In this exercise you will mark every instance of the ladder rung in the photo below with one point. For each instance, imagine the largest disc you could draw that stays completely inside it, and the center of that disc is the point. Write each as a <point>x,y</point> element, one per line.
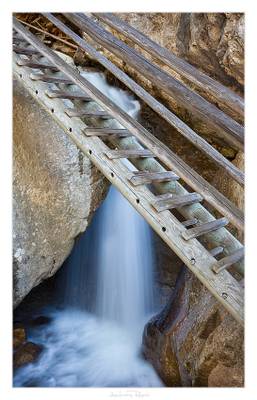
<point>145,177</point>
<point>216,251</point>
<point>58,94</point>
<point>106,132</point>
<point>49,78</point>
<point>190,222</point>
<point>35,64</point>
<point>76,112</point>
<point>19,40</point>
<point>228,261</point>
<point>25,51</point>
<point>169,201</point>
<point>112,154</point>
<point>204,228</point>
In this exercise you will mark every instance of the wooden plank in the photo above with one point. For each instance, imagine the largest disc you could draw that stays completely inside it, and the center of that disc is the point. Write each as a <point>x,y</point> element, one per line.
<point>204,228</point>
<point>106,132</point>
<point>145,177</point>
<point>25,51</point>
<point>60,94</point>
<point>113,154</point>
<point>159,108</point>
<point>189,222</point>
<point>51,79</point>
<point>18,40</point>
<point>76,112</point>
<point>220,93</point>
<point>34,64</point>
<point>226,262</point>
<point>185,97</point>
<point>192,253</point>
<point>216,251</point>
<point>168,203</point>
<point>170,159</point>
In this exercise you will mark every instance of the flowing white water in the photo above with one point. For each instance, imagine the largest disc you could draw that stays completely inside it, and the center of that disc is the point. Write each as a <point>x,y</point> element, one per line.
<point>108,291</point>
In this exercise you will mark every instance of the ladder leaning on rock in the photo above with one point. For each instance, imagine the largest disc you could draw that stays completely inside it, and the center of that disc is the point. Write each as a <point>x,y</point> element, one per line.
<point>197,237</point>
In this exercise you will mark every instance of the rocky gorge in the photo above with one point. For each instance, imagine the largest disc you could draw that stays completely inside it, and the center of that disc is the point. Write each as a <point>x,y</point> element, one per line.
<point>192,341</point>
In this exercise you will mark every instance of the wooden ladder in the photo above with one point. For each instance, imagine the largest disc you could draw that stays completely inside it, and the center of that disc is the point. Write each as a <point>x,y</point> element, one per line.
<point>73,101</point>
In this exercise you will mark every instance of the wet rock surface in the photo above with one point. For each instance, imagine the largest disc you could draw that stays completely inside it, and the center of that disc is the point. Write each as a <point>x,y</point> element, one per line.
<point>56,190</point>
<point>194,339</point>
<point>26,353</point>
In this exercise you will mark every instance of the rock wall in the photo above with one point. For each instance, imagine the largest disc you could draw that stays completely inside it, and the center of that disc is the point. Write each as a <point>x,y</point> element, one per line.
<point>55,191</point>
<point>194,341</point>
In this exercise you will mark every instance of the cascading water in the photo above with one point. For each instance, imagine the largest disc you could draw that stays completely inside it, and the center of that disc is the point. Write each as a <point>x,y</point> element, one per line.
<point>107,291</point>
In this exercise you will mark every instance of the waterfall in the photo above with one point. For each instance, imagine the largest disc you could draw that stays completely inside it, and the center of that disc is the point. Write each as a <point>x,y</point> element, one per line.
<point>108,294</point>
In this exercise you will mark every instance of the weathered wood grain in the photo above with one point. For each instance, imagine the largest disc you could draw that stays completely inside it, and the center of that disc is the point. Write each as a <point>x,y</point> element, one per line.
<point>189,222</point>
<point>232,131</point>
<point>220,93</point>
<point>113,154</point>
<point>204,228</point>
<point>145,177</point>
<point>159,108</point>
<point>227,261</point>
<point>76,112</point>
<point>51,78</point>
<point>173,162</point>
<point>59,94</point>
<point>35,64</point>
<point>107,132</point>
<point>216,251</point>
<point>168,203</point>
<point>25,51</point>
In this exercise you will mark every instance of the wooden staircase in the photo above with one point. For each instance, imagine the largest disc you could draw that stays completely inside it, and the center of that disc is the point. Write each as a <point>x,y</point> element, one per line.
<point>155,188</point>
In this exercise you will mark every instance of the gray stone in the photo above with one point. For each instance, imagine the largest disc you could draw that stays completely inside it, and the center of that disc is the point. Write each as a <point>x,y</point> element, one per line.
<point>56,190</point>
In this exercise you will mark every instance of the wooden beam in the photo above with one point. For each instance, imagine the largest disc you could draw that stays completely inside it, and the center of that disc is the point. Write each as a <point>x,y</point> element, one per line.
<point>226,262</point>
<point>34,64</point>
<point>114,154</point>
<point>232,131</point>
<point>145,177</point>
<point>219,92</point>
<point>216,251</point>
<point>170,159</point>
<point>168,202</point>
<point>59,94</point>
<point>204,228</point>
<point>159,108</point>
<point>76,112</point>
<point>51,79</point>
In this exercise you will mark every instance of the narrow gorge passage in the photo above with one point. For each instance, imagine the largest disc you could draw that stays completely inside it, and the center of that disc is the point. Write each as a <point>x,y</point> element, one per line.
<point>105,295</point>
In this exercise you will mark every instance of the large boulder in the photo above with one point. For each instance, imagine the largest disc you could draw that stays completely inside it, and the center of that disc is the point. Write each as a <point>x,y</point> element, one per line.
<point>56,190</point>
<point>194,341</point>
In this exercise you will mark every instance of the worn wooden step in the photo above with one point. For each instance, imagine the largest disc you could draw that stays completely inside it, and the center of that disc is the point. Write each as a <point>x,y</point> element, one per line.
<point>113,154</point>
<point>226,262</point>
<point>19,40</point>
<point>169,201</point>
<point>204,228</point>
<point>106,132</point>
<point>51,79</point>
<point>190,222</point>
<point>145,177</point>
<point>76,112</point>
<point>216,251</point>
<point>36,64</point>
<point>59,94</point>
<point>26,51</point>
